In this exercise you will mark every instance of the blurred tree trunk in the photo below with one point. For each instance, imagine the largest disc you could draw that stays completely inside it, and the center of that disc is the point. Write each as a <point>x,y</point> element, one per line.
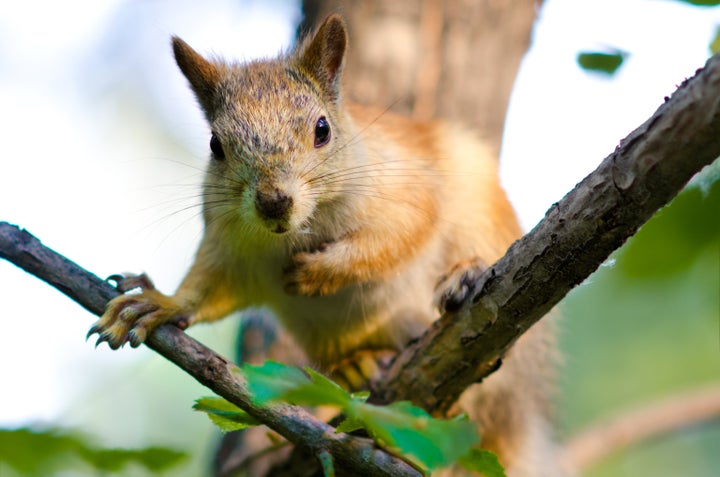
<point>454,59</point>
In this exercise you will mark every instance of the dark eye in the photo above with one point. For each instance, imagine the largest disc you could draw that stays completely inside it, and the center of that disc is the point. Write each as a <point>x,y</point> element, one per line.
<point>322,132</point>
<point>216,147</point>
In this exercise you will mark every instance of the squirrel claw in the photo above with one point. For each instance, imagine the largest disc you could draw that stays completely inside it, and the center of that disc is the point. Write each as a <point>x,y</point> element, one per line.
<point>454,289</point>
<point>136,337</point>
<point>102,338</point>
<point>93,329</point>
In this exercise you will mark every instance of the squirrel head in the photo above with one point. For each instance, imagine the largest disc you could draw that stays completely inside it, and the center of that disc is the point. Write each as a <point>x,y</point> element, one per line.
<point>277,129</point>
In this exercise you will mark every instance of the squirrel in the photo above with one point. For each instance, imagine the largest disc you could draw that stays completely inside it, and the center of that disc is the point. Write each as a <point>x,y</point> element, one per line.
<point>340,219</point>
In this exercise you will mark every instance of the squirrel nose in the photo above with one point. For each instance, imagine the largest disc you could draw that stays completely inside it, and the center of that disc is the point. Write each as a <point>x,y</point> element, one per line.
<point>275,205</point>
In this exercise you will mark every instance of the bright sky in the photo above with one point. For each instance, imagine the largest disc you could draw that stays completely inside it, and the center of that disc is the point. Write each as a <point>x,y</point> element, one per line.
<point>99,193</point>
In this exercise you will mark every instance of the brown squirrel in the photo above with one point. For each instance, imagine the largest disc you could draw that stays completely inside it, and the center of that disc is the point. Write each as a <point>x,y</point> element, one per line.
<point>340,219</point>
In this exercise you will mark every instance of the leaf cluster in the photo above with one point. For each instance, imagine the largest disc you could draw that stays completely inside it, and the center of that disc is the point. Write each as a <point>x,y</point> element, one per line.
<point>402,428</point>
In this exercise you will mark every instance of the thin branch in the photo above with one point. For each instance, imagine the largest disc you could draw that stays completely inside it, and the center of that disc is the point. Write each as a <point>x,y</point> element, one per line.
<point>597,441</point>
<point>645,172</point>
<point>352,455</point>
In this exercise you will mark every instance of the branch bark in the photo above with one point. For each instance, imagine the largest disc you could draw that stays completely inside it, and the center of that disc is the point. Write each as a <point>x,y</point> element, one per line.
<point>647,169</point>
<point>645,172</point>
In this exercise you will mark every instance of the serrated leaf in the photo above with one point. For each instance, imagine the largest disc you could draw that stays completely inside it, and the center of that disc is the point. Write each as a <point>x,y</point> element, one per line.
<point>270,380</point>
<point>225,415</point>
<point>607,63</point>
<point>320,391</point>
<point>483,461</point>
<point>432,443</point>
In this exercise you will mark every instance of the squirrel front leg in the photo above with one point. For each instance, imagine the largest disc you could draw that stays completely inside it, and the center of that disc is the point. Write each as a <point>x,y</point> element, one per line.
<point>204,295</point>
<point>368,253</point>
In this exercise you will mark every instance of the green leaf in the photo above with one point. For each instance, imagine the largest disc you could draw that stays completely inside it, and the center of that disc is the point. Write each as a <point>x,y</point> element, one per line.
<point>318,392</point>
<point>114,460</point>
<point>41,452</point>
<point>483,461</point>
<point>432,443</point>
<point>607,63</point>
<point>270,380</point>
<point>226,415</point>
<point>702,3</point>
<point>715,43</point>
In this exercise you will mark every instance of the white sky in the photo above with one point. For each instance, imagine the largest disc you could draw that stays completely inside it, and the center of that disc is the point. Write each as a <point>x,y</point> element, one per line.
<point>98,193</point>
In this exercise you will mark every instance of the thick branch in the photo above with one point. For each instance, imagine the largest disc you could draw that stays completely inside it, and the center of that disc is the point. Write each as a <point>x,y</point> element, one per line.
<point>645,172</point>
<point>351,455</point>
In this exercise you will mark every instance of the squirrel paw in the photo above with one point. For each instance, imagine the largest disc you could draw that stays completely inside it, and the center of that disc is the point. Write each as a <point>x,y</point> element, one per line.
<point>312,273</point>
<point>131,318</point>
<point>455,288</point>
<point>358,371</point>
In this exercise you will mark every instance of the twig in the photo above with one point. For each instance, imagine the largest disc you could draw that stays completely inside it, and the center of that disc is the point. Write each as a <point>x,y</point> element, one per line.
<point>351,455</point>
<point>597,441</point>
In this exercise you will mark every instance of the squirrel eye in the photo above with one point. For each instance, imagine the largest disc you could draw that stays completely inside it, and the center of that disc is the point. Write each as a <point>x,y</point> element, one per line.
<point>216,147</point>
<point>322,132</point>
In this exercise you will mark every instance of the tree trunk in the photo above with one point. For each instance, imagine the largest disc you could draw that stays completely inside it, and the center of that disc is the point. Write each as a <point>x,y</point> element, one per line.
<point>454,59</point>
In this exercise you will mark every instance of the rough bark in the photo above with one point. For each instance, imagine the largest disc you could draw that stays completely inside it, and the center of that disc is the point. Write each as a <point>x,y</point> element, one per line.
<point>454,59</point>
<point>645,172</point>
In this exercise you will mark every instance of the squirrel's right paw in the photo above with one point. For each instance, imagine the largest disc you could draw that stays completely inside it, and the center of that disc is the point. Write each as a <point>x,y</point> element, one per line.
<point>131,318</point>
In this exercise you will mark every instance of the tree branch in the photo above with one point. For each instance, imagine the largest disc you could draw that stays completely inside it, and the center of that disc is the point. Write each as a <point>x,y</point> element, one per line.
<point>351,455</point>
<point>599,440</point>
<point>645,172</point>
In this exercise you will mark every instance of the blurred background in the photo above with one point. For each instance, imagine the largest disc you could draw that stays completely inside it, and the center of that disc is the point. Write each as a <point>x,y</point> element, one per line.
<point>103,149</point>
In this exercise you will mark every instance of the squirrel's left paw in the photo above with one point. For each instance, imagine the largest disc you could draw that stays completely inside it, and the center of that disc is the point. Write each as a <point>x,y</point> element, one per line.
<point>457,286</point>
<point>312,273</point>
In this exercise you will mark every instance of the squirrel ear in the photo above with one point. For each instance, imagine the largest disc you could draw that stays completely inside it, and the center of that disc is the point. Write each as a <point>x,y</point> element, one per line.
<point>202,75</point>
<point>323,57</point>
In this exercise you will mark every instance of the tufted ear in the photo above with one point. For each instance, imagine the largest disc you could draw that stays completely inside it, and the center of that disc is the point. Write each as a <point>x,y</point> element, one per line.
<point>323,57</point>
<point>202,74</point>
